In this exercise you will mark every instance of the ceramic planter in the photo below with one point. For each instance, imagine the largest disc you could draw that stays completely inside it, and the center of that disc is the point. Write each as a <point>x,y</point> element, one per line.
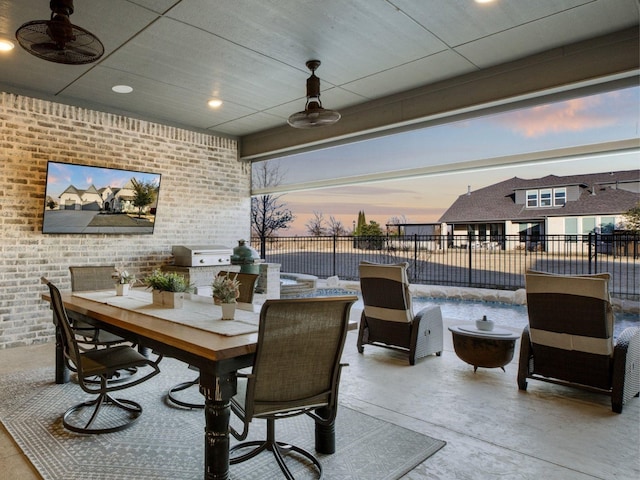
<point>228,311</point>
<point>122,289</point>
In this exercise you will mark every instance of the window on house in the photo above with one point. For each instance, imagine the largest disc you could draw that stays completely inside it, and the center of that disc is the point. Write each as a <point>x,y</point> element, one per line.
<point>545,198</point>
<point>532,198</point>
<point>571,229</point>
<point>607,224</point>
<point>588,225</point>
<point>559,197</point>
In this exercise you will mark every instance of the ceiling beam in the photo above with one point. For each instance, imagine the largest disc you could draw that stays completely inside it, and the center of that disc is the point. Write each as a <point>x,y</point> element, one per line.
<point>587,61</point>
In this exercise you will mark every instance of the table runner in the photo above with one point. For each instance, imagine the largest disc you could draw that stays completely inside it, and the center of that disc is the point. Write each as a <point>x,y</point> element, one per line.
<point>197,311</point>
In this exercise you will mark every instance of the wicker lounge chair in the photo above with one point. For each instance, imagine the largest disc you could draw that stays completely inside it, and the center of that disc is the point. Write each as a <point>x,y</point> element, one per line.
<point>387,319</point>
<point>569,339</point>
<point>296,371</point>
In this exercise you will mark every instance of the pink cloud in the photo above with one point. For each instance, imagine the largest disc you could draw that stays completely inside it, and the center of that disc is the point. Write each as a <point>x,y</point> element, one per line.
<point>571,116</point>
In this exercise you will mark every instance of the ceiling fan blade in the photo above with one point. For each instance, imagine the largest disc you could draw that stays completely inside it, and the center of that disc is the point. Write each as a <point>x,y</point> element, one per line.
<point>45,47</point>
<point>79,50</point>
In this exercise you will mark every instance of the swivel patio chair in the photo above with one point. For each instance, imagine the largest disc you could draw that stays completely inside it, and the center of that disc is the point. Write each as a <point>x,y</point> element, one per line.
<point>296,371</point>
<point>388,320</point>
<point>104,363</point>
<point>569,339</point>
<point>87,278</point>
<point>247,290</point>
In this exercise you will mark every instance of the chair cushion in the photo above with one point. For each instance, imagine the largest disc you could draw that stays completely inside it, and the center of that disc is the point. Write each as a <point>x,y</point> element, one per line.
<point>570,312</point>
<point>385,291</point>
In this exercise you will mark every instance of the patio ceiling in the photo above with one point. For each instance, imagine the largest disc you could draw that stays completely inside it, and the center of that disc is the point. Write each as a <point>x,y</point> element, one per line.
<point>384,63</point>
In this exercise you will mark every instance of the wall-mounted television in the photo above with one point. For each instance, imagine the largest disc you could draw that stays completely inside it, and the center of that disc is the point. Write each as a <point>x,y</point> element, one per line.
<point>96,200</point>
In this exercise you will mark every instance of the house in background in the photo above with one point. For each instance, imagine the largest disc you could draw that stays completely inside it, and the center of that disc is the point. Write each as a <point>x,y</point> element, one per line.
<point>104,199</point>
<point>551,205</point>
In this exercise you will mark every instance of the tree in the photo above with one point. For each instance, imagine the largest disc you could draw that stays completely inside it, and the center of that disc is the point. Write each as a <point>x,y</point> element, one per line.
<point>632,218</point>
<point>398,220</point>
<point>144,194</point>
<point>362,221</point>
<point>372,230</point>
<point>268,213</point>
<point>316,225</point>
<point>336,227</point>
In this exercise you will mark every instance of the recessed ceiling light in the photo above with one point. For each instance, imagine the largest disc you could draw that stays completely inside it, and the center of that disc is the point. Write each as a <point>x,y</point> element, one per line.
<point>215,103</point>
<point>6,45</point>
<point>484,1</point>
<point>122,89</point>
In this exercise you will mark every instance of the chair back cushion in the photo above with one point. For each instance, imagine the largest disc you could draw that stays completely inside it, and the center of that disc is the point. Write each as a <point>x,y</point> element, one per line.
<point>385,291</point>
<point>571,326</point>
<point>300,342</point>
<point>92,277</point>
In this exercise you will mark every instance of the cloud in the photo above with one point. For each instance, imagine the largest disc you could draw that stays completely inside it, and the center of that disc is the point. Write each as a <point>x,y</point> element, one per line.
<point>575,115</point>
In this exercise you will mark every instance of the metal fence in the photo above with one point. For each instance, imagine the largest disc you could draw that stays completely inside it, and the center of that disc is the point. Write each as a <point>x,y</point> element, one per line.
<point>465,260</point>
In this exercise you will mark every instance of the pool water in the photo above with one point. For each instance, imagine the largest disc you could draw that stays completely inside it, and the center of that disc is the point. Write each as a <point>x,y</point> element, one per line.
<point>502,314</point>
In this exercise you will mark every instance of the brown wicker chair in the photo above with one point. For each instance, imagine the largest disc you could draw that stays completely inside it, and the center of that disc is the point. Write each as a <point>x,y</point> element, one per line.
<point>387,319</point>
<point>296,371</point>
<point>247,290</point>
<point>103,363</point>
<point>569,339</point>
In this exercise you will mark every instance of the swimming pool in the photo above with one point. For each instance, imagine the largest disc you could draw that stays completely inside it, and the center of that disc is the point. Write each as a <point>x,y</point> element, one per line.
<point>468,310</point>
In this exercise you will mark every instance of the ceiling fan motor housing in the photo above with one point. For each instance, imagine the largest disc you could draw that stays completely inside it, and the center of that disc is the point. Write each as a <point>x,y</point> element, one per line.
<point>61,7</point>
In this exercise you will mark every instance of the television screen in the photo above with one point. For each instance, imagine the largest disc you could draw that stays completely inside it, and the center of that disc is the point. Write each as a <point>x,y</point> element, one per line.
<point>84,199</point>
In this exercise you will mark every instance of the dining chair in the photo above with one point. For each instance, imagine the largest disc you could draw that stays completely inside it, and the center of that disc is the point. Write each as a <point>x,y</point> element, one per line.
<point>86,278</point>
<point>569,338</point>
<point>103,363</point>
<point>387,318</point>
<point>247,290</point>
<point>296,371</point>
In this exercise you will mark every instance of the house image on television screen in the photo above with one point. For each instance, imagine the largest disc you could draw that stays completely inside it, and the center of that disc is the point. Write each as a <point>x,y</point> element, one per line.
<point>83,199</point>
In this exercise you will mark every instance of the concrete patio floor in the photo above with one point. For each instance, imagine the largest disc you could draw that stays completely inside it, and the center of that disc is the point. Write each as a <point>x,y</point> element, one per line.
<point>492,430</point>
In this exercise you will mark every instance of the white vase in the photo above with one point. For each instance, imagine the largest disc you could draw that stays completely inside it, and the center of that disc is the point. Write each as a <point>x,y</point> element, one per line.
<point>122,289</point>
<point>228,311</point>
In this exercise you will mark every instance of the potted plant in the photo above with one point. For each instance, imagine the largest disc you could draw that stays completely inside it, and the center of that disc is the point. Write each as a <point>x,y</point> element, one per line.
<point>168,288</point>
<point>124,280</point>
<point>225,290</point>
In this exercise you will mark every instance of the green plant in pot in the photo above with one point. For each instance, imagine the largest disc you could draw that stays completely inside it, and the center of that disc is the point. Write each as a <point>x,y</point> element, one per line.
<point>168,288</point>
<point>225,290</point>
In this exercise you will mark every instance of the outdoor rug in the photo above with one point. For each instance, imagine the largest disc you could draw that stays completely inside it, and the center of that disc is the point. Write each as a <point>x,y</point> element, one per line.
<point>167,443</point>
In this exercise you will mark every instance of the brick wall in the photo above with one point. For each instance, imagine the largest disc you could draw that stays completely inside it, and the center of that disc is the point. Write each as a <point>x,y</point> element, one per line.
<point>204,199</point>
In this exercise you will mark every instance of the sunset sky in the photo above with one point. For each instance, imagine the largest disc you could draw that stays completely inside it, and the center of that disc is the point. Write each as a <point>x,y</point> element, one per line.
<point>599,118</point>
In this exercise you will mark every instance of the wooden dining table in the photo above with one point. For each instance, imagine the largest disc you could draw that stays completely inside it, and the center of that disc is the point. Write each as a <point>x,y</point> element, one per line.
<point>217,356</point>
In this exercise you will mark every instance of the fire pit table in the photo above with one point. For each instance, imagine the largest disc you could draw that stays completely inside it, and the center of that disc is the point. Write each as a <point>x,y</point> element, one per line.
<point>481,348</point>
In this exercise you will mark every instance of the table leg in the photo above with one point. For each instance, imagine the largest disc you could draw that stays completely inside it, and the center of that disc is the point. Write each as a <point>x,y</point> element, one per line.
<point>217,413</point>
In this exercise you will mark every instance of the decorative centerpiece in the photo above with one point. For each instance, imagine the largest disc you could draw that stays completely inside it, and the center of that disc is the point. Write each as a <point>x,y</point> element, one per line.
<point>168,288</point>
<point>485,325</point>
<point>225,291</point>
<point>124,280</point>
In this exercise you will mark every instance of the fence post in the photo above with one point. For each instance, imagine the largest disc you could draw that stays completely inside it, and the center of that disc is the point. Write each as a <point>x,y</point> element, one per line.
<point>415,256</point>
<point>595,253</point>
<point>469,239</point>
<point>589,252</point>
<point>334,255</point>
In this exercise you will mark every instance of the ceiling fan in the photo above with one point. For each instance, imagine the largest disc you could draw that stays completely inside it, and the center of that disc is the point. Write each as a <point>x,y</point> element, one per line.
<point>313,115</point>
<point>58,40</point>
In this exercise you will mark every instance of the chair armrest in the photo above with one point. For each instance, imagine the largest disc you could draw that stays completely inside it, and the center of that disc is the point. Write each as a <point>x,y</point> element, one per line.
<point>525,359</point>
<point>625,382</point>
